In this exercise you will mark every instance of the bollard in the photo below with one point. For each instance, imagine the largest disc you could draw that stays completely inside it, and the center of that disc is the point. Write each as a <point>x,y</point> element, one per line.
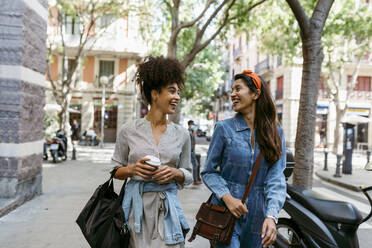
<point>73,151</point>
<point>368,155</point>
<point>325,160</point>
<point>338,165</point>
<point>198,156</point>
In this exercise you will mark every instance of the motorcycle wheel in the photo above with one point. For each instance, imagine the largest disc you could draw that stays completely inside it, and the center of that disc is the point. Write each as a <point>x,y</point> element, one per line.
<point>288,235</point>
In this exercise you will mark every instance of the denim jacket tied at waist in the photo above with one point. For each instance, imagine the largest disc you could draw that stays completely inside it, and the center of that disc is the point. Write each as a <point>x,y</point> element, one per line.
<point>175,224</point>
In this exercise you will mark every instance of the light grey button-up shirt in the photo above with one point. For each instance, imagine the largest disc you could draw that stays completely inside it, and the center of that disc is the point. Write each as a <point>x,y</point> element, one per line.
<point>135,140</point>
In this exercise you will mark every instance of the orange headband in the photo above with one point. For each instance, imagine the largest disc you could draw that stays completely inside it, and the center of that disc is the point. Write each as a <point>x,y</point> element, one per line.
<point>255,78</point>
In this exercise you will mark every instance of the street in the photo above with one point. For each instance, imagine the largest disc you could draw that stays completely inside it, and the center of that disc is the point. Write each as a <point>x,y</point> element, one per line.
<point>49,220</point>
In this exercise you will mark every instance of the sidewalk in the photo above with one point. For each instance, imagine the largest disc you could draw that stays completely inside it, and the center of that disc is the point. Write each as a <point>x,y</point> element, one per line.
<point>48,220</point>
<point>359,176</point>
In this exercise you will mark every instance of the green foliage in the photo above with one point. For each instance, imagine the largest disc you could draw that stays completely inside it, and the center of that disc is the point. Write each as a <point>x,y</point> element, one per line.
<point>347,32</point>
<point>203,77</point>
<point>205,73</point>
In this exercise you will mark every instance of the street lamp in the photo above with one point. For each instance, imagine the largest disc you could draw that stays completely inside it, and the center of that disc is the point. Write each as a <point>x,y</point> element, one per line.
<point>103,80</point>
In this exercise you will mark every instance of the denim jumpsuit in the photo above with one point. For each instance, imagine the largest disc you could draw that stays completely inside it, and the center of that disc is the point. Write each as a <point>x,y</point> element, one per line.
<point>229,164</point>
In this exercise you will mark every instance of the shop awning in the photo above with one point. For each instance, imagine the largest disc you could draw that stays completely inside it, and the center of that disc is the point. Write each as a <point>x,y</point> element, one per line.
<point>355,119</point>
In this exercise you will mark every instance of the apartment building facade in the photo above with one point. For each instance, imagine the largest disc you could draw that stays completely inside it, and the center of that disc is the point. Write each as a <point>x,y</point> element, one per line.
<point>114,54</point>
<point>285,85</point>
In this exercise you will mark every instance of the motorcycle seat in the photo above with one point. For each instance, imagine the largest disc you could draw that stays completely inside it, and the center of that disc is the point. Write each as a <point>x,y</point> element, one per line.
<point>326,209</point>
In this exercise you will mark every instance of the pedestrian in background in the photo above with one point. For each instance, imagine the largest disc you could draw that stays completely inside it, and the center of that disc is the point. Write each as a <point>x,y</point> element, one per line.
<point>234,148</point>
<point>194,161</point>
<point>150,203</point>
<point>75,130</point>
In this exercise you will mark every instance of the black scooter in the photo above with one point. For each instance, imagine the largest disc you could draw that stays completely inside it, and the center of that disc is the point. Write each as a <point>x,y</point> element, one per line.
<point>315,221</point>
<point>58,146</point>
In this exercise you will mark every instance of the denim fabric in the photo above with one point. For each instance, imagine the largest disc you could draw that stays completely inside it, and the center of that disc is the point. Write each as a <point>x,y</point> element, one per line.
<point>229,164</point>
<point>175,224</point>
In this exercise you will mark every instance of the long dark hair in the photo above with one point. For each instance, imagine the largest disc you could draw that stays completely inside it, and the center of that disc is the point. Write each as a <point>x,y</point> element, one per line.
<point>265,121</point>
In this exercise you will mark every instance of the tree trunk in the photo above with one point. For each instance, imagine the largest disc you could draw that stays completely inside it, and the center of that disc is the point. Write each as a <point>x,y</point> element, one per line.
<point>337,146</point>
<point>304,146</point>
<point>172,49</point>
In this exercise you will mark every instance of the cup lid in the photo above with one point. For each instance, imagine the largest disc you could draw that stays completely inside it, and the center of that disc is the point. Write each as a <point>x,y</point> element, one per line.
<point>153,160</point>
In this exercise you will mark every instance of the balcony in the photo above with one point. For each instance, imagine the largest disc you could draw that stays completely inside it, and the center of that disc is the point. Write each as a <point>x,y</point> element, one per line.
<point>361,96</point>
<point>263,66</point>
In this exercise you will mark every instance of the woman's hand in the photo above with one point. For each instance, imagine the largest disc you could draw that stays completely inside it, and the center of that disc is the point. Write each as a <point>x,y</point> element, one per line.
<point>166,174</point>
<point>268,232</point>
<point>236,207</point>
<point>140,168</point>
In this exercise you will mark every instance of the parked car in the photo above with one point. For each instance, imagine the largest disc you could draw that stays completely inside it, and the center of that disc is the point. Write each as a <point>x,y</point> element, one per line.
<point>202,130</point>
<point>200,133</point>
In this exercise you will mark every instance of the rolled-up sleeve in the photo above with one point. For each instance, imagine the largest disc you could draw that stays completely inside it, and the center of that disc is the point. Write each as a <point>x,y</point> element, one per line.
<point>185,160</point>
<point>211,173</point>
<point>275,185</point>
<point>120,156</point>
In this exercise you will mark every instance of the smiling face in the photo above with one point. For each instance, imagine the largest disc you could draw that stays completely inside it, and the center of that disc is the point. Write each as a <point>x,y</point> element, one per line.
<point>242,97</point>
<point>168,98</point>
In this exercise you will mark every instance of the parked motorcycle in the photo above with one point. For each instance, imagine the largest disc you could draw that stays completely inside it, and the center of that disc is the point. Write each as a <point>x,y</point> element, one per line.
<point>315,221</point>
<point>58,146</point>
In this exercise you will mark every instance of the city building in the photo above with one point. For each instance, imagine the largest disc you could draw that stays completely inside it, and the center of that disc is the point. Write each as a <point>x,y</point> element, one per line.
<point>285,85</point>
<point>114,53</point>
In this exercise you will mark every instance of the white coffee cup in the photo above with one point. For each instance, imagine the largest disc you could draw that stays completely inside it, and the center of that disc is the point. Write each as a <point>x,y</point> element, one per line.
<point>154,161</point>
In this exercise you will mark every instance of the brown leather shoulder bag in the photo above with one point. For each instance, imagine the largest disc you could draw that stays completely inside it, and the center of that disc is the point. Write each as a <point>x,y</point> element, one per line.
<point>216,223</point>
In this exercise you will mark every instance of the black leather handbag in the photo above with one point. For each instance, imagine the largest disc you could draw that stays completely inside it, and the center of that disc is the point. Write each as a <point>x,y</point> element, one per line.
<point>102,219</point>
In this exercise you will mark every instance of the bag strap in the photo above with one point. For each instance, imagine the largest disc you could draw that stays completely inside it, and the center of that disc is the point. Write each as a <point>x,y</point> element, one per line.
<point>119,200</point>
<point>113,171</point>
<point>252,177</point>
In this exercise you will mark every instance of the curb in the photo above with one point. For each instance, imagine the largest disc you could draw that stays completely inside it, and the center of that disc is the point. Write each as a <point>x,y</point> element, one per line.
<point>8,205</point>
<point>338,183</point>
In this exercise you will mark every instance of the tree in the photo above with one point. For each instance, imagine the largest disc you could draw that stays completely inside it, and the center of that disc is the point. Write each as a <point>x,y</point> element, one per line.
<point>204,75</point>
<point>347,40</point>
<point>180,22</point>
<point>278,31</point>
<point>81,17</point>
<point>312,51</point>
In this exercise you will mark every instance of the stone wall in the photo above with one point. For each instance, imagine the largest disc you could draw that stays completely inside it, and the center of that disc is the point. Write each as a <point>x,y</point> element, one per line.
<point>23,26</point>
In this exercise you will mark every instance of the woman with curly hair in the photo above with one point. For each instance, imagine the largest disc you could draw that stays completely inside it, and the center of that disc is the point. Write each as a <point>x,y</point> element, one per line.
<point>151,206</point>
<point>234,148</point>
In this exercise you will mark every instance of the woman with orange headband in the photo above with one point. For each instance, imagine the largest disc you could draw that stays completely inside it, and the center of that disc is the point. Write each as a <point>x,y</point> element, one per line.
<point>234,148</point>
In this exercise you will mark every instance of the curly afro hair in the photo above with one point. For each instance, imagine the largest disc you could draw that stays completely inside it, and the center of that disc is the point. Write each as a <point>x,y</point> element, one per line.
<point>154,73</point>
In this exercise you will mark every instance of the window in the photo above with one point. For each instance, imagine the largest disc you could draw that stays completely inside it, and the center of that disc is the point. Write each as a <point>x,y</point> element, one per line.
<point>106,68</point>
<point>279,88</point>
<point>70,64</point>
<point>72,25</point>
<point>363,83</point>
<point>106,20</point>
<point>111,114</point>
<point>323,93</point>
